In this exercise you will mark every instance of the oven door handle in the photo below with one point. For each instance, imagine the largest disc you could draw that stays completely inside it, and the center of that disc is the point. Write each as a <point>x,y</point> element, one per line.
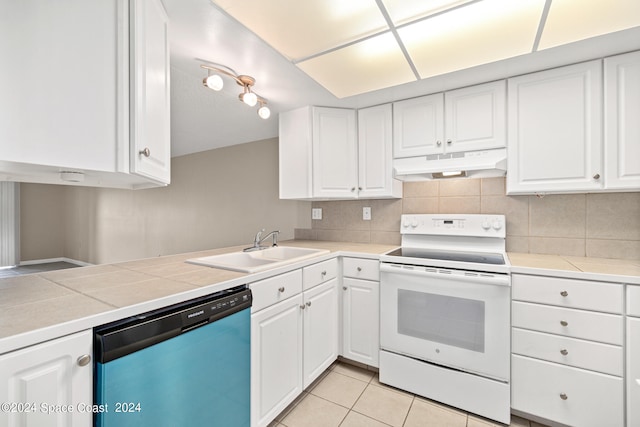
<point>479,277</point>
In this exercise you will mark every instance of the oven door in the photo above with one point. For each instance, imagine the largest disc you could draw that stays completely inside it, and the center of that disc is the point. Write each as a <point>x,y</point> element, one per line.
<point>453,318</point>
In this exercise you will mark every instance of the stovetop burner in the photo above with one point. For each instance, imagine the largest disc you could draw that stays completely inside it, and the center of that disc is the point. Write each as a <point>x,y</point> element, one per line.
<point>474,257</point>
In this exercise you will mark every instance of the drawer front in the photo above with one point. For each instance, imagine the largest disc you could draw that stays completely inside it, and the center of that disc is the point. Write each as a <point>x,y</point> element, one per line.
<point>606,328</point>
<point>633,300</point>
<point>590,355</point>
<point>570,293</point>
<point>359,268</point>
<point>318,273</point>
<point>275,289</point>
<point>566,395</point>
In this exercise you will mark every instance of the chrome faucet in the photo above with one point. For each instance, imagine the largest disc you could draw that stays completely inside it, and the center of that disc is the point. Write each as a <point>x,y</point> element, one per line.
<point>259,239</point>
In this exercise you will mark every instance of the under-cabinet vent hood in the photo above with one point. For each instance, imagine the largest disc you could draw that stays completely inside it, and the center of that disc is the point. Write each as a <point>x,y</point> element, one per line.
<point>470,164</point>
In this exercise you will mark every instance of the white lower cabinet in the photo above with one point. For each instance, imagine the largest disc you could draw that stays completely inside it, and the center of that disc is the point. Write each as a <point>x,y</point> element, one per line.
<point>360,311</point>
<point>48,384</point>
<point>567,350</point>
<point>294,336</point>
<point>633,356</point>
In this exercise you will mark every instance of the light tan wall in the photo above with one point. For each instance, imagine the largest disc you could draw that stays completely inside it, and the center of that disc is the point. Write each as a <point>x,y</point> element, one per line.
<point>594,225</point>
<point>216,198</point>
<point>42,211</point>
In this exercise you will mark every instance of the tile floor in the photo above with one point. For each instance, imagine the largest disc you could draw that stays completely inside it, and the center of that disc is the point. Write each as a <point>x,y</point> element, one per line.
<point>350,396</point>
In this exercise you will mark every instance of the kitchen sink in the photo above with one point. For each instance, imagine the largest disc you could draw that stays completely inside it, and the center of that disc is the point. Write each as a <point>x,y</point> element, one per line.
<point>259,260</point>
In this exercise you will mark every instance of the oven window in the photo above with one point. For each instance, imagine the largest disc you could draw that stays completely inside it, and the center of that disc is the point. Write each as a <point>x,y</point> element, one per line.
<point>458,322</point>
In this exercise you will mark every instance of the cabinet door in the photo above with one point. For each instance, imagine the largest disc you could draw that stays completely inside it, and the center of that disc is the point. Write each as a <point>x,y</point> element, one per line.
<point>320,330</point>
<point>375,153</point>
<point>633,372</point>
<point>64,83</point>
<point>276,359</point>
<point>476,117</point>
<point>335,158</point>
<point>621,124</point>
<point>555,142</point>
<point>360,328</point>
<point>48,374</point>
<point>151,138</point>
<point>418,126</point>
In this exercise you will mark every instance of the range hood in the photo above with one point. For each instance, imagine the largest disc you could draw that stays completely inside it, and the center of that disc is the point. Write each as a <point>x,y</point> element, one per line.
<point>470,164</point>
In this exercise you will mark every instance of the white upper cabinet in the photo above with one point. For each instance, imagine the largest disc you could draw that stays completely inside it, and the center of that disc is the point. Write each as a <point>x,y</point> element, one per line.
<point>375,153</point>
<point>555,133</point>
<point>335,153</point>
<point>622,122</point>
<point>85,85</point>
<point>330,153</point>
<point>467,119</point>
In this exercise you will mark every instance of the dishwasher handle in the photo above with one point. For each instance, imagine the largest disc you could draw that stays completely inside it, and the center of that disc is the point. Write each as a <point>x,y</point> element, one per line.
<point>127,336</point>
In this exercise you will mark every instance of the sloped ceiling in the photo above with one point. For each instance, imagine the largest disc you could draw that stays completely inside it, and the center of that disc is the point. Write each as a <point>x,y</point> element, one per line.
<point>358,53</point>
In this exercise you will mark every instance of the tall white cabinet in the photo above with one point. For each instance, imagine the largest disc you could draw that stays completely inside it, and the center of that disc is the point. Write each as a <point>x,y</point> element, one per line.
<point>621,123</point>
<point>54,373</point>
<point>85,89</point>
<point>555,133</point>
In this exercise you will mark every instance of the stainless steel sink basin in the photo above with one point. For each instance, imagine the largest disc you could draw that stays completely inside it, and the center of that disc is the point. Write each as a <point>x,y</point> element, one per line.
<point>252,262</point>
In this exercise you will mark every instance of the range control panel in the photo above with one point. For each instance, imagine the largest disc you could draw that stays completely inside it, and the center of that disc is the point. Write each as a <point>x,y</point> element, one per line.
<point>473,225</point>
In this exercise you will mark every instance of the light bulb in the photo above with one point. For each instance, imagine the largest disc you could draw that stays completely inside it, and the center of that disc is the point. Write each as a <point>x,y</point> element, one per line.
<point>264,112</point>
<point>249,98</point>
<point>214,82</point>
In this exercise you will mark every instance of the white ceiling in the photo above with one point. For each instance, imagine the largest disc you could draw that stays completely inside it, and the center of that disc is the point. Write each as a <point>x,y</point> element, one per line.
<point>359,53</point>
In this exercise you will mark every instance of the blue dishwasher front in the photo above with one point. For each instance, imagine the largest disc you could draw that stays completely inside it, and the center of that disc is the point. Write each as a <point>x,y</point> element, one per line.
<point>186,365</point>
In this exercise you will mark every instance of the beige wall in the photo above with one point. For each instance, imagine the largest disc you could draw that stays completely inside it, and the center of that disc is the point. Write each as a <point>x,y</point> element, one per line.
<point>595,225</point>
<point>216,198</point>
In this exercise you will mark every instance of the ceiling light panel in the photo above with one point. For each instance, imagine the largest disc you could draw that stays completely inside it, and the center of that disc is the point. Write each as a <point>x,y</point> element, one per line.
<point>475,34</point>
<point>299,29</point>
<point>372,64</point>
<point>572,20</point>
<point>403,11</point>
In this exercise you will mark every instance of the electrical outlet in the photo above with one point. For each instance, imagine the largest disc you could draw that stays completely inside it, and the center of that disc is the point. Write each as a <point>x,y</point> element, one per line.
<point>366,214</point>
<point>316,213</point>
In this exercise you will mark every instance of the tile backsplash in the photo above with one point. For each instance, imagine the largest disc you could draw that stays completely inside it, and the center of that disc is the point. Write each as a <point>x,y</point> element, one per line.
<point>603,225</point>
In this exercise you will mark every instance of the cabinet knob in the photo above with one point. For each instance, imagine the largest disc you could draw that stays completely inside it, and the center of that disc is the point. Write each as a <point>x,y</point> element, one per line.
<point>359,268</point>
<point>438,143</point>
<point>324,273</point>
<point>146,152</point>
<point>564,293</point>
<point>564,352</point>
<point>281,289</point>
<point>344,288</point>
<point>596,176</point>
<point>84,360</point>
<point>308,303</point>
<point>563,396</point>
<point>564,323</point>
<point>359,188</point>
<point>353,189</point>
<point>449,141</point>
<point>302,306</point>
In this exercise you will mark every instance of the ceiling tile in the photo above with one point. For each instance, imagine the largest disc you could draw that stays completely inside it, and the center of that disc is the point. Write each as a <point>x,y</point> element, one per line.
<point>572,20</point>
<point>372,64</point>
<point>476,34</point>
<point>299,29</point>
<point>403,11</point>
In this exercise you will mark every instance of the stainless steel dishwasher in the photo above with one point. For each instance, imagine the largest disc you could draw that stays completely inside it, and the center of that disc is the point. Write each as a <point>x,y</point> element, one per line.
<point>188,364</point>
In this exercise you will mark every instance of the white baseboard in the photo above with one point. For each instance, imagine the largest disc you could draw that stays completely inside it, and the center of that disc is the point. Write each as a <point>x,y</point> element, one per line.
<point>61,259</point>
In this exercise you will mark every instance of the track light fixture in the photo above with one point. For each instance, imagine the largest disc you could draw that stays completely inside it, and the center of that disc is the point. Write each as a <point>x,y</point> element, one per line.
<point>214,81</point>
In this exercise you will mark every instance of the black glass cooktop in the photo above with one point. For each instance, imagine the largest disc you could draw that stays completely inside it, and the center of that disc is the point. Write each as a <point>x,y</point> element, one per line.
<point>476,257</point>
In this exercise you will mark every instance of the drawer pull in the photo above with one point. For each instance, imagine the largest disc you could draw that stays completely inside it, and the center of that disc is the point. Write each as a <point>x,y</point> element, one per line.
<point>308,303</point>
<point>564,352</point>
<point>563,396</point>
<point>324,273</point>
<point>564,323</point>
<point>359,268</point>
<point>344,288</point>
<point>281,289</point>
<point>564,293</point>
<point>84,360</point>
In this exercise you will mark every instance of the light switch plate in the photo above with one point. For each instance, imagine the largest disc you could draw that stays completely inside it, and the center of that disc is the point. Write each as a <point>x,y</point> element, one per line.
<point>316,213</point>
<point>366,214</point>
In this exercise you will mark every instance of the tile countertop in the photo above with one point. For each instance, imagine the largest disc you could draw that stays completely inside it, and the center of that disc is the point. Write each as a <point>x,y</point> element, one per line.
<point>39,307</point>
